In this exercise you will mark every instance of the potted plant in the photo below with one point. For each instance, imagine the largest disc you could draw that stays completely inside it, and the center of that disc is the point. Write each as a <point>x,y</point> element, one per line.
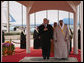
<point>7,48</point>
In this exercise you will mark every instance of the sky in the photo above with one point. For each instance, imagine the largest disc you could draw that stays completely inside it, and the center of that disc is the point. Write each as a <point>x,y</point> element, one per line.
<point>16,12</point>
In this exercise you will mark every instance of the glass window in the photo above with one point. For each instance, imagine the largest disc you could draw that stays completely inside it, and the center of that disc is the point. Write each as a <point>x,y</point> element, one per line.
<point>32,23</point>
<point>63,15</point>
<point>52,16</point>
<point>40,16</point>
<point>24,15</point>
<point>78,16</point>
<point>4,15</point>
<point>4,4</point>
<point>15,12</point>
<point>71,20</point>
<point>32,19</point>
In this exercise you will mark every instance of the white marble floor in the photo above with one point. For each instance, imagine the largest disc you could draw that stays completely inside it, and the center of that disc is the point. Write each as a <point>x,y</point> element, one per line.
<point>52,59</point>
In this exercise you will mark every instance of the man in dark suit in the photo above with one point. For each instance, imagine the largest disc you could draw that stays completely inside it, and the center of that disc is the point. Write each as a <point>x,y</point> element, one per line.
<point>46,36</point>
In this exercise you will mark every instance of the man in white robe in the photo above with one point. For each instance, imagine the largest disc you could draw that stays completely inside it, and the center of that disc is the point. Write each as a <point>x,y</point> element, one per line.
<point>61,35</point>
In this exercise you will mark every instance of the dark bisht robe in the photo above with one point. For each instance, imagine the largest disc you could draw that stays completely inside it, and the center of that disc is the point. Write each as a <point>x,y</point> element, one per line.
<point>71,36</point>
<point>3,38</point>
<point>79,37</point>
<point>23,41</point>
<point>36,40</point>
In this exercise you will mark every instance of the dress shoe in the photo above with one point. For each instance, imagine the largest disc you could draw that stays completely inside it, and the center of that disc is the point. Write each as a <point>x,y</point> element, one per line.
<point>47,57</point>
<point>44,58</point>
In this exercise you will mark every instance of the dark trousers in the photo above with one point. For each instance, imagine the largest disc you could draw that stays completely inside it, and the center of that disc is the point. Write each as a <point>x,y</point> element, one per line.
<point>46,51</point>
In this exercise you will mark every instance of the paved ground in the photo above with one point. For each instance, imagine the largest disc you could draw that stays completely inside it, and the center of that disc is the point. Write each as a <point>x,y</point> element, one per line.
<point>40,59</point>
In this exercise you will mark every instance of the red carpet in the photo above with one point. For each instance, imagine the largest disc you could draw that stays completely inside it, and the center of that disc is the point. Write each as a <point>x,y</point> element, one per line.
<point>21,53</point>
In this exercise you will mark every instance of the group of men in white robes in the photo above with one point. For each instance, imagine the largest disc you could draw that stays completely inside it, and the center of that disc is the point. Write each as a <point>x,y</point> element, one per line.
<point>59,36</point>
<point>61,41</point>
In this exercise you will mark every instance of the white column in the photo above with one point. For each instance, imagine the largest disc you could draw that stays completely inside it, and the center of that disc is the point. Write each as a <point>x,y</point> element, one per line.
<point>8,16</point>
<point>75,38</point>
<point>81,24</point>
<point>27,31</point>
<point>28,27</point>
<point>1,31</point>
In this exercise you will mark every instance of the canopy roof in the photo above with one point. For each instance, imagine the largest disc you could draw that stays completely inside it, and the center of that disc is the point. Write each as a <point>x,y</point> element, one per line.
<point>50,5</point>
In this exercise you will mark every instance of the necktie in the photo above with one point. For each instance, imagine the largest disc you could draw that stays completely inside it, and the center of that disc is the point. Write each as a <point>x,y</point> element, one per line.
<point>45,25</point>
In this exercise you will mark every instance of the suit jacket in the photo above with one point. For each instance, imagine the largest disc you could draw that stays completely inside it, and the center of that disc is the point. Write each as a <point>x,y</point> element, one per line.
<point>45,36</point>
